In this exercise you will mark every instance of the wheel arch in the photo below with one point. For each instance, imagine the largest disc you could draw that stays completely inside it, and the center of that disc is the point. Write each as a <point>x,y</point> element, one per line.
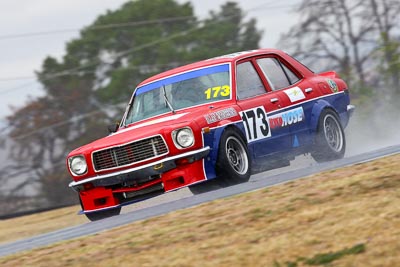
<point>233,166</point>
<point>330,143</point>
<point>219,131</point>
<point>213,140</point>
<point>316,112</point>
<point>234,127</point>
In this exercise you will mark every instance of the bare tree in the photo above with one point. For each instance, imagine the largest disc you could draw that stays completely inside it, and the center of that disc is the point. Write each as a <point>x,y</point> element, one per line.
<point>386,17</point>
<point>42,132</point>
<point>344,34</point>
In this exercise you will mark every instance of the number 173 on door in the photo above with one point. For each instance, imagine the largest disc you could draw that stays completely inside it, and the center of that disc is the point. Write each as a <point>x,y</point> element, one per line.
<point>256,123</point>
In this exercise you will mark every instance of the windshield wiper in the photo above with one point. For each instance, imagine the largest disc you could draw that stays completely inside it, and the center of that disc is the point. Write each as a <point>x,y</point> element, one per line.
<point>167,101</point>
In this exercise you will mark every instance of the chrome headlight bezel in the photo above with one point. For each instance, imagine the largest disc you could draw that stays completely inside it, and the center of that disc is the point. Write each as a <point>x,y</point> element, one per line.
<point>183,137</point>
<point>77,165</point>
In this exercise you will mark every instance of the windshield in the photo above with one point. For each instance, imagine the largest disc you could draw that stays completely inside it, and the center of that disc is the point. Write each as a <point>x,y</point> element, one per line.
<point>181,91</point>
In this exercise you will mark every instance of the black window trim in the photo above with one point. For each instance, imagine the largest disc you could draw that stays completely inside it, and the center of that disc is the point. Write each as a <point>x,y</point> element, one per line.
<point>284,71</point>
<point>262,77</point>
<point>281,61</point>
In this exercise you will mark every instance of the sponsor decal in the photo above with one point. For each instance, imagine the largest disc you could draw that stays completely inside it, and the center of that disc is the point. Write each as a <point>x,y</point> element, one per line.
<point>258,124</point>
<point>286,118</point>
<point>255,121</point>
<point>296,142</point>
<point>220,115</point>
<point>332,84</point>
<point>295,94</point>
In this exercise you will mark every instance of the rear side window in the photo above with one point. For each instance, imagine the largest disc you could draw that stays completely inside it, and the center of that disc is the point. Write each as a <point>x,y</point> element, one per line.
<point>278,75</point>
<point>290,74</point>
<point>248,83</point>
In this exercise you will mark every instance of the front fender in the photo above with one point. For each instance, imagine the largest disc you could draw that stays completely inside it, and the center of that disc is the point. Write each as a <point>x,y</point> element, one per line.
<point>212,139</point>
<point>219,130</point>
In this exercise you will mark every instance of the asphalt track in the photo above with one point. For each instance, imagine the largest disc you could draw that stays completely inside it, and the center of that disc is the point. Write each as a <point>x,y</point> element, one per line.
<point>258,181</point>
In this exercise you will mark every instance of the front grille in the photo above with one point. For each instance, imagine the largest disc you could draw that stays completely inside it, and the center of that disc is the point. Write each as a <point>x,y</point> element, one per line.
<point>144,149</point>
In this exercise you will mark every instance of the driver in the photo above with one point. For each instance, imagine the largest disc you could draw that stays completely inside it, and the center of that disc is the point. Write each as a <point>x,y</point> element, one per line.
<point>188,92</point>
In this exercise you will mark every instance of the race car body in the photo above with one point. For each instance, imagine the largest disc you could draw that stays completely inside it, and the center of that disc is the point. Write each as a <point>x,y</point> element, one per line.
<point>222,118</point>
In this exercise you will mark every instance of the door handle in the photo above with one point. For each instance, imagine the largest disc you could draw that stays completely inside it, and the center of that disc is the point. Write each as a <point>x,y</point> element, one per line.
<point>274,100</point>
<point>308,90</point>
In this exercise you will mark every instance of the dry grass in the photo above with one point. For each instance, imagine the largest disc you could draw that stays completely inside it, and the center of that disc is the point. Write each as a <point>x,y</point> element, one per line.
<point>31,225</point>
<point>350,217</point>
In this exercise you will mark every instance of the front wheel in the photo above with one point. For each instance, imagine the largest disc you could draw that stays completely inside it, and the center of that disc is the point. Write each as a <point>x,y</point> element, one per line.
<point>204,187</point>
<point>330,140</point>
<point>233,164</point>
<point>99,215</point>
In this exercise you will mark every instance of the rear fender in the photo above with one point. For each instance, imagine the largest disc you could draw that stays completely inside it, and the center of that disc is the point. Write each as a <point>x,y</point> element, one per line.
<point>329,74</point>
<point>318,107</point>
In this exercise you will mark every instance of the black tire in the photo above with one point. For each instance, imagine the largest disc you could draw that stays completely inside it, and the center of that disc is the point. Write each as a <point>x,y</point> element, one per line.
<point>330,142</point>
<point>99,215</point>
<point>233,163</point>
<point>204,187</point>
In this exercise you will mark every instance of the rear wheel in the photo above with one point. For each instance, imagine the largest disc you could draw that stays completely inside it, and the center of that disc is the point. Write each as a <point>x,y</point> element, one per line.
<point>233,164</point>
<point>99,215</point>
<point>330,139</point>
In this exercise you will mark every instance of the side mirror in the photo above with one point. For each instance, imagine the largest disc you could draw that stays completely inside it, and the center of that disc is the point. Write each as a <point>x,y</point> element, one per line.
<point>113,127</point>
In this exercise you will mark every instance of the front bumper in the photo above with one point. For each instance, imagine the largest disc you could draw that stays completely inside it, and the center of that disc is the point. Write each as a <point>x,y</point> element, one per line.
<point>139,173</point>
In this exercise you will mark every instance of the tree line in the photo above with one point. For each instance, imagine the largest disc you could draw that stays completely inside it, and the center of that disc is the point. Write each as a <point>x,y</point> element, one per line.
<point>359,38</point>
<point>90,86</point>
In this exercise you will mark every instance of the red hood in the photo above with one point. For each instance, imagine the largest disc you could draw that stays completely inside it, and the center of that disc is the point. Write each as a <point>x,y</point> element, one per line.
<point>135,131</point>
<point>154,126</point>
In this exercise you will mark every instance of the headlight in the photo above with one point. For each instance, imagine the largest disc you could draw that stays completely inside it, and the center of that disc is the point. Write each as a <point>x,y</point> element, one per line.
<point>77,165</point>
<point>183,137</point>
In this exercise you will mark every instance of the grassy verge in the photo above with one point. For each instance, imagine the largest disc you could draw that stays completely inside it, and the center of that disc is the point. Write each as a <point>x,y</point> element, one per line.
<point>345,217</point>
<point>44,222</point>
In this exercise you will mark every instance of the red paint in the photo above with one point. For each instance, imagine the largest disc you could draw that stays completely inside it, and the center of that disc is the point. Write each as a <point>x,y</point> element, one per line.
<point>187,172</point>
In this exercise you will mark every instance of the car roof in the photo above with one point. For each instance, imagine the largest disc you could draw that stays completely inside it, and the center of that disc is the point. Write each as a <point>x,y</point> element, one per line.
<point>229,58</point>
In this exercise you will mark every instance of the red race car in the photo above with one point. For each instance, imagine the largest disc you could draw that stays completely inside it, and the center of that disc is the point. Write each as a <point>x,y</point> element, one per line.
<point>223,118</point>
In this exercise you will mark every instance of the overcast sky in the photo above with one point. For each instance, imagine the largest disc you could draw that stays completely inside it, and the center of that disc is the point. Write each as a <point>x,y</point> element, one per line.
<point>20,57</point>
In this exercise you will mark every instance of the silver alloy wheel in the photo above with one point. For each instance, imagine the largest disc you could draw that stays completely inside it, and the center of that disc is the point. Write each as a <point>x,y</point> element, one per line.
<point>236,155</point>
<point>333,134</point>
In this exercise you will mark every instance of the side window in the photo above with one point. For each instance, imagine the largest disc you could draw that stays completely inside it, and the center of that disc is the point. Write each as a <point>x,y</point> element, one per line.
<point>248,83</point>
<point>278,75</point>
<point>290,74</point>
